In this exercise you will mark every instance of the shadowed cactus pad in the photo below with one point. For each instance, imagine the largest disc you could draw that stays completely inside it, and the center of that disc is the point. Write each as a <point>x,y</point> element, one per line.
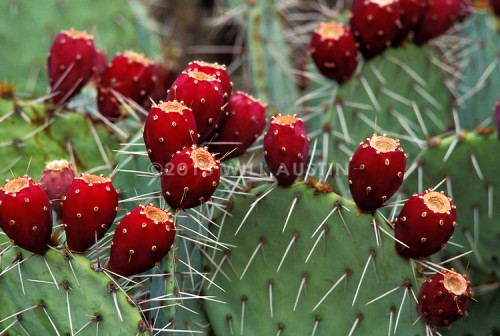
<point>312,274</point>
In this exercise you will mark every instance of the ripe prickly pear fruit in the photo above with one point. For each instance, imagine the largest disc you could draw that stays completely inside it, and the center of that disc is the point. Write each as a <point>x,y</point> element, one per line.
<point>169,127</point>
<point>70,64</point>
<point>374,24</point>
<point>56,179</point>
<point>25,214</point>
<point>444,298</point>
<point>141,239</point>
<point>217,70</point>
<point>243,125</point>
<point>438,17</point>
<point>410,13</point>
<point>89,209</point>
<point>333,50</point>
<point>425,224</point>
<point>286,147</point>
<point>376,171</point>
<point>204,95</point>
<point>128,76</point>
<point>190,178</point>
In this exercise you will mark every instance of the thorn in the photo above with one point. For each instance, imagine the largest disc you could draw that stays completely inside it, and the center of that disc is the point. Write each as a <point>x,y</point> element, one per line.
<point>259,246</point>
<point>323,233</point>
<point>476,165</point>
<point>252,206</point>
<point>270,285</point>
<point>355,324</point>
<point>370,257</point>
<point>295,235</point>
<point>311,160</point>
<point>295,199</point>
<point>330,290</point>
<point>399,311</point>
<point>243,304</point>
<point>302,285</point>
<point>316,324</point>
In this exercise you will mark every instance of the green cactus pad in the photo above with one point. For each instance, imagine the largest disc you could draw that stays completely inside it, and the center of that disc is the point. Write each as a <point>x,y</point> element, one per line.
<point>320,296</point>
<point>48,296</point>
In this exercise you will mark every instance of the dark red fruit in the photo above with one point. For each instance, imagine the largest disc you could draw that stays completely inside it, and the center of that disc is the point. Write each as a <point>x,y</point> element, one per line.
<point>170,127</point>
<point>243,125</point>
<point>165,77</point>
<point>410,13</point>
<point>376,171</point>
<point>56,179</point>
<point>374,24</point>
<point>70,64</point>
<point>444,298</point>
<point>190,178</point>
<point>88,210</point>
<point>425,224</point>
<point>333,50</point>
<point>128,76</point>
<point>438,17</point>
<point>495,7</point>
<point>204,95</point>
<point>217,70</point>
<point>100,65</point>
<point>141,240</point>
<point>286,146</point>
<point>25,214</point>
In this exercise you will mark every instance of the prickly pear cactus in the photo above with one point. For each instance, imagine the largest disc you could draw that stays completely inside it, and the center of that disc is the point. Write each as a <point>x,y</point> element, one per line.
<point>305,262</point>
<point>60,294</point>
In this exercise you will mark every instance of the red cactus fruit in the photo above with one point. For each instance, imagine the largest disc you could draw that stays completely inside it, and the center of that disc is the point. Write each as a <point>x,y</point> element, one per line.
<point>70,64</point>
<point>141,240</point>
<point>202,93</point>
<point>170,127</point>
<point>438,17</point>
<point>376,171</point>
<point>333,50</point>
<point>190,178</point>
<point>217,70</point>
<point>25,214</point>
<point>56,179</point>
<point>243,125</point>
<point>410,13</point>
<point>495,7</point>
<point>286,146</point>
<point>425,224</point>
<point>100,65</point>
<point>128,76</point>
<point>374,24</point>
<point>444,298</point>
<point>165,77</point>
<point>88,210</point>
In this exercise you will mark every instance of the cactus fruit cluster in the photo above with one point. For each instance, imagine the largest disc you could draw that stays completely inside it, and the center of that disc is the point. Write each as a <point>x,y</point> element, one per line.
<point>218,201</point>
